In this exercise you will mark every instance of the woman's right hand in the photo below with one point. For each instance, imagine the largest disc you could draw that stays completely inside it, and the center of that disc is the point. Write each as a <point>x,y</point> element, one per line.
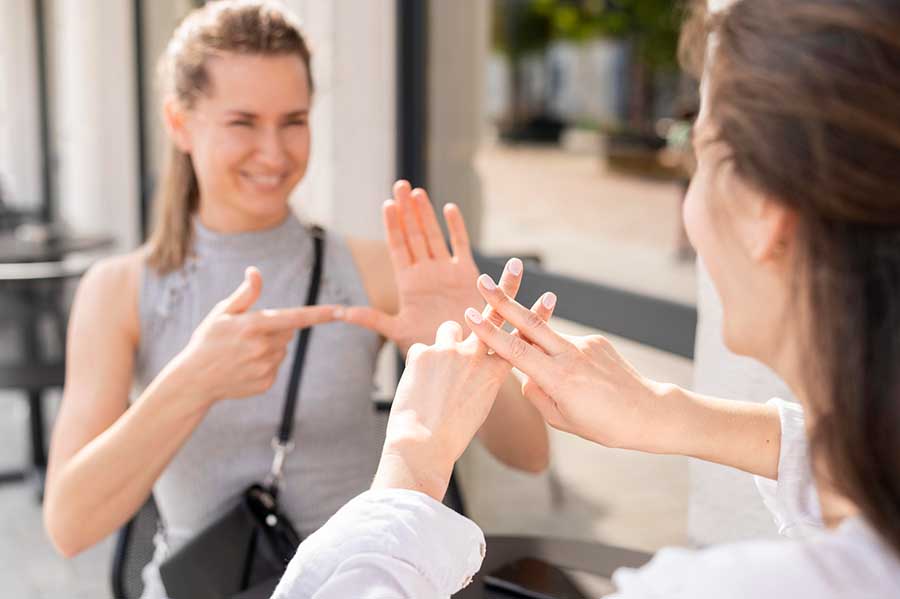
<point>237,353</point>
<point>580,385</point>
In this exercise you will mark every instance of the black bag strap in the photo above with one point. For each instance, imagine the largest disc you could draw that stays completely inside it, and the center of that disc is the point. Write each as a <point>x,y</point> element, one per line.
<point>282,444</point>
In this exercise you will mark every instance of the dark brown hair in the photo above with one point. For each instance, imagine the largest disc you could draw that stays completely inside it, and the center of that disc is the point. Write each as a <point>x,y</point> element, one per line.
<point>805,94</point>
<point>226,26</point>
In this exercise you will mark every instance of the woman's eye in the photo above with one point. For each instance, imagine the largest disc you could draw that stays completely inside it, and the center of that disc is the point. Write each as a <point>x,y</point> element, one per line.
<point>240,124</point>
<point>296,123</point>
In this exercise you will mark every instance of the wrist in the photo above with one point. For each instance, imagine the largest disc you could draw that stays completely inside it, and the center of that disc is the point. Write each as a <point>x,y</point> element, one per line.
<point>407,469</point>
<point>674,421</point>
<point>180,378</point>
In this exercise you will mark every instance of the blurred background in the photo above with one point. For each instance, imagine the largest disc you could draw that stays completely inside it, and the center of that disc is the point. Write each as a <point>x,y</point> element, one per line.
<point>560,126</point>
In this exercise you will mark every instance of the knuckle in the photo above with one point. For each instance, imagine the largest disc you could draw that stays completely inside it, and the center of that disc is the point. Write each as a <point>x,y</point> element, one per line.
<point>415,351</point>
<point>259,348</point>
<point>534,321</point>
<point>598,342</point>
<point>517,347</point>
<point>271,378</point>
<point>262,371</point>
<point>249,328</point>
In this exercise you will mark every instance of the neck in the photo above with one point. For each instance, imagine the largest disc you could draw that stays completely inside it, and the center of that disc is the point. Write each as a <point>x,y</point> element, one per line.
<point>788,363</point>
<point>223,219</point>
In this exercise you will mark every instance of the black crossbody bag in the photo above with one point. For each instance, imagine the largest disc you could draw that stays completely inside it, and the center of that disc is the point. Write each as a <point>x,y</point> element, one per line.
<point>243,554</point>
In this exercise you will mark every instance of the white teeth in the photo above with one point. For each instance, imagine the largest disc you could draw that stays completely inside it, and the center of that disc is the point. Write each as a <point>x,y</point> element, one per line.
<point>265,180</point>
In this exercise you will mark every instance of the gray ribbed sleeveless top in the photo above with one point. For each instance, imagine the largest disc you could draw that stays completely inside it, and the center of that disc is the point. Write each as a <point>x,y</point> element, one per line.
<point>336,433</point>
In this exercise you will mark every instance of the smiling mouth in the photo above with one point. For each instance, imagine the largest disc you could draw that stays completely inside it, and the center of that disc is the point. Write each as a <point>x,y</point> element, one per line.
<point>264,181</point>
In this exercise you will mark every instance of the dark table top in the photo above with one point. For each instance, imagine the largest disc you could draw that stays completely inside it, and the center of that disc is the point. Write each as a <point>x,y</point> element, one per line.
<point>595,558</point>
<point>15,250</point>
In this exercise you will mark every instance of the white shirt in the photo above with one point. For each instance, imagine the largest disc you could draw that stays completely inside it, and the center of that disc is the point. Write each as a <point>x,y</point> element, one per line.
<point>397,544</point>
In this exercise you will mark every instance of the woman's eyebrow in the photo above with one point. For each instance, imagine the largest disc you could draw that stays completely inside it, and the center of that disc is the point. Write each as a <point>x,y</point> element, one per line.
<point>241,113</point>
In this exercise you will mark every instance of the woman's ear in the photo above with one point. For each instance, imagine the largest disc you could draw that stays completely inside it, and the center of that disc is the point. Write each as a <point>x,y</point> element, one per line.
<point>776,230</point>
<point>175,119</point>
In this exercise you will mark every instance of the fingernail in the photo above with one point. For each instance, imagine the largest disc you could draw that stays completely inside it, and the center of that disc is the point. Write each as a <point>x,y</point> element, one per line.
<point>339,313</point>
<point>487,282</point>
<point>549,300</point>
<point>473,315</point>
<point>514,266</point>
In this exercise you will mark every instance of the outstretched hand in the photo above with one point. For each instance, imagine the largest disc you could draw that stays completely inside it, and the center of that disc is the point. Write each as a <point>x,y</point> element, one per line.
<point>434,283</point>
<point>580,385</point>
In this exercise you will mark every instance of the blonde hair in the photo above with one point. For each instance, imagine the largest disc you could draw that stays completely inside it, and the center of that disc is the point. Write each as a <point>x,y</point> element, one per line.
<point>226,26</point>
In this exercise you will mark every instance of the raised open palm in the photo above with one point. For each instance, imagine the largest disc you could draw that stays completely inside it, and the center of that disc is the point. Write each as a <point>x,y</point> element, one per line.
<point>434,285</point>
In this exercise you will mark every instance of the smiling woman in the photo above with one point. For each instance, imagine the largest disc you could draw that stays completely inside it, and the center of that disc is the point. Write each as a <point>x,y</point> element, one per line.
<point>188,324</point>
<point>215,132</point>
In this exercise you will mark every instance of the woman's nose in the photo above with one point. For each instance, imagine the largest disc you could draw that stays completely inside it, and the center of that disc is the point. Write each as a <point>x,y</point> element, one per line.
<point>271,150</point>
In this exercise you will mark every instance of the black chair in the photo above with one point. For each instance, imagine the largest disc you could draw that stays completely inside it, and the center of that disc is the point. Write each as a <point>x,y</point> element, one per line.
<point>36,363</point>
<point>134,550</point>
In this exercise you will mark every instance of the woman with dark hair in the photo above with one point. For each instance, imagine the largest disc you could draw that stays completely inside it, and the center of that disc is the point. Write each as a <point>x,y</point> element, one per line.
<point>795,210</point>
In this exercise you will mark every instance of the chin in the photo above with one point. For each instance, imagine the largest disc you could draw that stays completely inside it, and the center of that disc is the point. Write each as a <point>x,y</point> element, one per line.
<point>267,207</point>
<point>734,341</point>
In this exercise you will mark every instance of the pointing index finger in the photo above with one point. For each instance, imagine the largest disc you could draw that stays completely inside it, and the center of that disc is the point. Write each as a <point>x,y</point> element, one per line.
<point>293,318</point>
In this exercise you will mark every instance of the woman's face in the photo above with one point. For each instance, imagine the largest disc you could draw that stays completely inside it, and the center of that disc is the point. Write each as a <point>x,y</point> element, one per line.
<point>743,239</point>
<point>249,139</point>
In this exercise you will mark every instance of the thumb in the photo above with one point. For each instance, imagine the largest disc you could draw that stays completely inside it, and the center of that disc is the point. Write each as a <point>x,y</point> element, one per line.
<point>246,295</point>
<point>370,318</point>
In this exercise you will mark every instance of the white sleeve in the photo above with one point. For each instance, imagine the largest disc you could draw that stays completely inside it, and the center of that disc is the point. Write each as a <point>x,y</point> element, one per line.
<point>386,544</point>
<point>792,499</point>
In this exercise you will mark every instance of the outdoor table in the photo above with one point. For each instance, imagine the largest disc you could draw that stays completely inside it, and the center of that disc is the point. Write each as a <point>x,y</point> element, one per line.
<point>582,556</point>
<point>16,250</point>
<point>32,277</point>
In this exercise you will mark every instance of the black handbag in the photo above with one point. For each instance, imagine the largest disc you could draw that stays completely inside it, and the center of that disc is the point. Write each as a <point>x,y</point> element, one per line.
<point>243,554</point>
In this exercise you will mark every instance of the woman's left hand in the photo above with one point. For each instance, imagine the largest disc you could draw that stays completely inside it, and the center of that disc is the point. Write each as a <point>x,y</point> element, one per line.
<point>444,396</point>
<point>433,285</point>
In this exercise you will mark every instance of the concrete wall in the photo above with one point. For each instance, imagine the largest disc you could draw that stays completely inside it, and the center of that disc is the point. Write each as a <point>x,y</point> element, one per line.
<point>94,117</point>
<point>353,124</point>
<point>20,152</point>
<point>456,86</point>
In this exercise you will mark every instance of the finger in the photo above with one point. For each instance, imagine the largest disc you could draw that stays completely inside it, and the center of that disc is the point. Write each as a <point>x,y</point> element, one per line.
<point>434,237</point>
<point>527,322</point>
<point>459,236</point>
<point>415,238</point>
<point>514,350</point>
<point>543,307</point>
<point>510,281</point>
<point>412,354</point>
<point>448,334</point>
<point>246,294</point>
<point>289,319</point>
<point>375,320</point>
<point>396,238</point>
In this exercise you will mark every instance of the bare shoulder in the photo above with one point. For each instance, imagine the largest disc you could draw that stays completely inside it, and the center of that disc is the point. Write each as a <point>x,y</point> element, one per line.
<point>110,288</point>
<point>373,261</point>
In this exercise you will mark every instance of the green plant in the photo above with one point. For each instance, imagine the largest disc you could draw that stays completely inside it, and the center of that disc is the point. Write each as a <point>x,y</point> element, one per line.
<point>522,26</point>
